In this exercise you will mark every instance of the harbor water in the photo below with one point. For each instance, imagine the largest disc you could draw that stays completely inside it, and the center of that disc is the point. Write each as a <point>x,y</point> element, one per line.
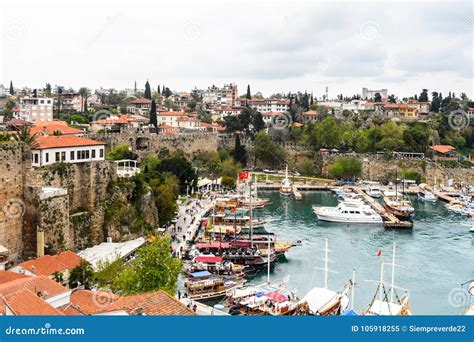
<point>434,258</point>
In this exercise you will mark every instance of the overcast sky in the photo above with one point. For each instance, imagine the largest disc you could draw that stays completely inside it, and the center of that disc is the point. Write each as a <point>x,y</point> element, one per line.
<point>274,46</point>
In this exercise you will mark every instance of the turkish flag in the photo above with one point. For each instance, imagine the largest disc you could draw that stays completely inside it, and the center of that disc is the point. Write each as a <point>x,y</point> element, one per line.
<point>379,253</point>
<point>244,175</point>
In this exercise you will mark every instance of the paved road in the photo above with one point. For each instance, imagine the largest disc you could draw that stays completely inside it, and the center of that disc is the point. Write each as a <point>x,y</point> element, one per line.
<point>189,217</point>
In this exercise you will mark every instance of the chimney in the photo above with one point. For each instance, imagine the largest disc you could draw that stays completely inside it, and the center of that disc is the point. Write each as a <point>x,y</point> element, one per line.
<point>39,243</point>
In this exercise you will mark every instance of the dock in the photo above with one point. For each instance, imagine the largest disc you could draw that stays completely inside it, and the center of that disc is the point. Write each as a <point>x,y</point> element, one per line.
<point>296,194</point>
<point>389,220</point>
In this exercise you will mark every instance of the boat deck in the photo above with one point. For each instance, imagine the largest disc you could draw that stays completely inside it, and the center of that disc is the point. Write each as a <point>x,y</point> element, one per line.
<point>389,220</point>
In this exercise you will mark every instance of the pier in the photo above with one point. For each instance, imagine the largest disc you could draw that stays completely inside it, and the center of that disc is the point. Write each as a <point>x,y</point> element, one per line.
<point>389,220</point>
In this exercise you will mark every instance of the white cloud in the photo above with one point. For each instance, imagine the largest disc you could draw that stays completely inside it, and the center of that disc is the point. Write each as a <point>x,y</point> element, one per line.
<point>274,47</point>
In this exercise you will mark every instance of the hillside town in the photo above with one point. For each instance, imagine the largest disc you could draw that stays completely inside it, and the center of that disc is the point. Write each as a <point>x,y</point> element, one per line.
<point>142,201</point>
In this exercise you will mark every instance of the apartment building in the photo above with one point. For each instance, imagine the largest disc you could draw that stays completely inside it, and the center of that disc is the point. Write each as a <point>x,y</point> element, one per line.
<point>35,109</point>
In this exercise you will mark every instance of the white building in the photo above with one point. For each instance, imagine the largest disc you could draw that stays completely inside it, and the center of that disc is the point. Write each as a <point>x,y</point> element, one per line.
<point>265,105</point>
<point>139,106</point>
<point>368,94</point>
<point>34,109</point>
<point>224,96</point>
<point>52,149</point>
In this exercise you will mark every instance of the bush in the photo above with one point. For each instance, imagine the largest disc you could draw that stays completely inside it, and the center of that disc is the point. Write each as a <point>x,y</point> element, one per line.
<point>121,152</point>
<point>346,168</point>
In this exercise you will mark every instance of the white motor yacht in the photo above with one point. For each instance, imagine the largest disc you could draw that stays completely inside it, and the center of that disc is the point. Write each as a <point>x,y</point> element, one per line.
<point>374,191</point>
<point>427,196</point>
<point>348,212</point>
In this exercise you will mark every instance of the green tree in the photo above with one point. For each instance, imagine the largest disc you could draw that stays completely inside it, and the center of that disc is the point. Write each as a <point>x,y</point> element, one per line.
<point>12,90</point>
<point>181,168</point>
<point>153,269</point>
<point>249,95</point>
<point>257,122</point>
<point>416,137</point>
<point>47,89</point>
<point>165,192</point>
<point>153,118</point>
<point>85,93</point>
<point>107,271</point>
<point>423,96</point>
<point>377,97</point>
<point>8,108</point>
<point>24,136</point>
<point>268,151</point>
<point>328,133</point>
<point>80,119</point>
<point>239,153</point>
<point>228,182</point>
<point>81,275</point>
<point>307,168</point>
<point>435,102</point>
<point>120,152</point>
<point>346,168</point>
<point>147,94</point>
<point>391,137</point>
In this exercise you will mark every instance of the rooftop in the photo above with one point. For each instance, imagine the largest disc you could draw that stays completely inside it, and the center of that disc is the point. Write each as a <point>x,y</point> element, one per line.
<point>58,141</point>
<point>49,264</point>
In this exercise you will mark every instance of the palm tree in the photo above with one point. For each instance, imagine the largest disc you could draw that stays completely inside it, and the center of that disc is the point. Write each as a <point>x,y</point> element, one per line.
<point>85,93</point>
<point>24,136</point>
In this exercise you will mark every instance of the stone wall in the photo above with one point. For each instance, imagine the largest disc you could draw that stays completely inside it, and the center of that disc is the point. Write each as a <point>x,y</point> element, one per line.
<point>14,164</point>
<point>144,143</point>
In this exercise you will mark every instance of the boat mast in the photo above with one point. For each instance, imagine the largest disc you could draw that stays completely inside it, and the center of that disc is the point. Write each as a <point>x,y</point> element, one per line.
<point>381,282</point>
<point>393,273</point>
<point>251,216</point>
<point>353,288</point>
<point>326,261</point>
<point>268,257</point>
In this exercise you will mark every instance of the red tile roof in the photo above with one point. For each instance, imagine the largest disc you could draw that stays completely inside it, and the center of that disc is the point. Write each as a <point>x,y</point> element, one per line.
<point>310,113</point>
<point>48,264</point>
<point>38,284</point>
<point>51,127</point>
<point>58,141</point>
<point>141,101</point>
<point>6,276</point>
<point>152,303</point>
<point>443,148</point>
<point>110,122</point>
<point>172,114</point>
<point>26,303</point>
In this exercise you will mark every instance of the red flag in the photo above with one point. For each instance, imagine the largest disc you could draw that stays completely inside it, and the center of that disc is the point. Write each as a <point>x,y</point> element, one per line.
<point>244,175</point>
<point>232,210</point>
<point>379,253</point>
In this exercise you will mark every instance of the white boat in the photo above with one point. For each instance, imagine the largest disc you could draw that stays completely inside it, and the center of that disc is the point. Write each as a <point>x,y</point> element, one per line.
<point>427,196</point>
<point>374,191</point>
<point>386,301</point>
<point>456,208</point>
<point>398,205</point>
<point>323,301</point>
<point>286,188</point>
<point>348,212</point>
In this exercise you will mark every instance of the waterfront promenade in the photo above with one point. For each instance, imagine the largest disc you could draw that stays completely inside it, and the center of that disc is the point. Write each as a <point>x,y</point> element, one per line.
<point>189,217</point>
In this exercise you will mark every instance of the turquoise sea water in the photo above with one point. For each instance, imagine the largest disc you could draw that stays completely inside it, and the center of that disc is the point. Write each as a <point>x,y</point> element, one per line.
<point>435,257</point>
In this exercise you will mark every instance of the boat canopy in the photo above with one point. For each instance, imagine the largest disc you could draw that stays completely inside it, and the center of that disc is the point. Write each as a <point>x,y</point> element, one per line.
<point>201,274</point>
<point>208,259</point>
<point>202,245</point>
<point>276,296</point>
<point>318,298</point>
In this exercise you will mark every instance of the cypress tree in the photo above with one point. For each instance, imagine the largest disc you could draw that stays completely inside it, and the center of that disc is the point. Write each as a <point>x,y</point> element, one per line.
<point>159,91</point>
<point>147,94</point>
<point>153,118</point>
<point>12,91</point>
<point>239,153</point>
<point>249,95</point>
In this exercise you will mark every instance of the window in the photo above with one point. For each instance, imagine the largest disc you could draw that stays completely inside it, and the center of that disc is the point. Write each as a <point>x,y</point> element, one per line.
<point>36,158</point>
<point>57,157</point>
<point>93,154</point>
<point>42,101</point>
<point>71,155</point>
<point>48,102</point>
<point>101,153</point>
<point>47,157</point>
<point>87,154</point>
<point>63,156</point>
